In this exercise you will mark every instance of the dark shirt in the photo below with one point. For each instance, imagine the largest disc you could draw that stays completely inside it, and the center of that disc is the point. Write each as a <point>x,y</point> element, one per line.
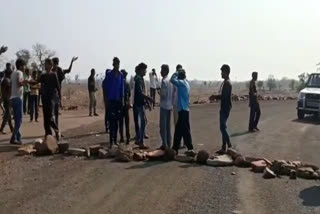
<point>113,86</point>
<point>139,88</point>
<point>252,92</point>
<point>61,74</point>
<point>127,93</point>
<point>226,95</point>
<point>92,84</point>
<point>6,88</point>
<point>50,86</point>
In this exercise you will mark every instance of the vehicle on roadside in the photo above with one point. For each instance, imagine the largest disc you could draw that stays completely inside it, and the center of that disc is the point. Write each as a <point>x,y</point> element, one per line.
<point>309,97</point>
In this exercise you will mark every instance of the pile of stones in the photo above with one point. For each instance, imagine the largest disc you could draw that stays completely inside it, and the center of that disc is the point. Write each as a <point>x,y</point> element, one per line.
<point>126,153</point>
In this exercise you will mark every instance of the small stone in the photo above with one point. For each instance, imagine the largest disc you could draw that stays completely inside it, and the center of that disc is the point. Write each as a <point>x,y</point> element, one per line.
<point>94,150</point>
<point>76,152</point>
<point>233,173</point>
<point>103,153</point>
<point>27,150</point>
<point>184,158</point>
<point>293,174</point>
<point>220,160</point>
<point>258,166</point>
<point>202,157</point>
<point>269,174</point>
<point>63,147</point>
<point>139,156</point>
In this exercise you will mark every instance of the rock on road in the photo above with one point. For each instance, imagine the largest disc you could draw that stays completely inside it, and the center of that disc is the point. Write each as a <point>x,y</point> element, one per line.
<point>59,184</point>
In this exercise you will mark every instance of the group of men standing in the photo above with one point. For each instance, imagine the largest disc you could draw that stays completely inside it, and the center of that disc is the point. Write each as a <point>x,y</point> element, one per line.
<point>174,95</point>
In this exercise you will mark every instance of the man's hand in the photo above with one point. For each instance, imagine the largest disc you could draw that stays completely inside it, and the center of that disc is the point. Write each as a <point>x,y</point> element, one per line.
<point>3,49</point>
<point>75,58</point>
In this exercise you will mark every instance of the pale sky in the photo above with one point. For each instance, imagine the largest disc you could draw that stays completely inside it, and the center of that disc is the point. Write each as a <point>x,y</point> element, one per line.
<point>279,37</point>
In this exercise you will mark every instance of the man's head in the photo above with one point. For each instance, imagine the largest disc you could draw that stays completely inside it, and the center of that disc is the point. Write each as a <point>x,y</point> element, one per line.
<point>142,69</point>
<point>20,64</point>
<point>255,75</point>
<point>116,63</point>
<point>153,71</point>
<point>225,71</point>
<point>125,73</point>
<point>55,62</point>
<point>182,74</point>
<point>164,70</point>
<point>93,72</point>
<point>48,64</point>
<point>8,66</point>
<point>7,73</point>
<point>178,67</point>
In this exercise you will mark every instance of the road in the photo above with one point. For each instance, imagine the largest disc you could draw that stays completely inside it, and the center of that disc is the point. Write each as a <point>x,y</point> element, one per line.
<point>60,184</point>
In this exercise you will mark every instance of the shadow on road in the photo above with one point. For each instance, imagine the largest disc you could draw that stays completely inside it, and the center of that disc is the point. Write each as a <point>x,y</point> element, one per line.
<point>239,134</point>
<point>308,120</point>
<point>146,164</point>
<point>8,148</point>
<point>311,196</point>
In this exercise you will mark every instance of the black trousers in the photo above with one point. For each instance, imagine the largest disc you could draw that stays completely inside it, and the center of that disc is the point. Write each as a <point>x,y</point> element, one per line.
<point>48,112</point>
<point>153,95</point>
<point>255,114</point>
<point>6,115</point>
<point>26,102</point>
<point>106,122</point>
<point>182,130</point>
<point>34,106</point>
<point>114,114</point>
<point>56,112</point>
<point>124,119</point>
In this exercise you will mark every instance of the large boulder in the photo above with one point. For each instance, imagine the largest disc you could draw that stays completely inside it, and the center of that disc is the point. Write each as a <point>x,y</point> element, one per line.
<point>202,157</point>
<point>258,166</point>
<point>48,147</point>
<point>170,154</point>
<point>220,160</point>
<point>123,155</point>
<point>94,150</point>
<point>76,152</point>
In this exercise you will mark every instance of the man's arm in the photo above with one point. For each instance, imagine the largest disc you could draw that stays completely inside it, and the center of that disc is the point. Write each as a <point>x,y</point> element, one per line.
<point>3,49</point>
<point>70,66</point>
<point>175,81</point>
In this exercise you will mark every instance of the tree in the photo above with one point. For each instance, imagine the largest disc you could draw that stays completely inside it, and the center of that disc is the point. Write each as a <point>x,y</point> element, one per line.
<point>292,84</point>
<point>24,54</point>
<point>41,52</point>
<point>260,84</point>
<point>271,82</point>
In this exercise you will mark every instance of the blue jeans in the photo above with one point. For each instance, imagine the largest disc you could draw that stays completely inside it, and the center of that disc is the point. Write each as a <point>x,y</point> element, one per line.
<point>139,114</point>
<point>17,106</point>
<point>224,115</point>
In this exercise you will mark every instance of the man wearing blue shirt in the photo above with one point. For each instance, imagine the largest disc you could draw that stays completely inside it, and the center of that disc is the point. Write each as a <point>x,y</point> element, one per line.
<point>183,126</point>
<point>114,90</point>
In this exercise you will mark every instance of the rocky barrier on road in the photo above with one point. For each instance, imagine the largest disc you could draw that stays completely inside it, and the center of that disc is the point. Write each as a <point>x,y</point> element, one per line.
<point>127,153</point>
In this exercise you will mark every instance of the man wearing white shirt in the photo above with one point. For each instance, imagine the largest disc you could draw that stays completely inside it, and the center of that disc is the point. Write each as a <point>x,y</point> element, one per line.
<point>153,85</point>
<point>165,108</point>
<point>17,84</point>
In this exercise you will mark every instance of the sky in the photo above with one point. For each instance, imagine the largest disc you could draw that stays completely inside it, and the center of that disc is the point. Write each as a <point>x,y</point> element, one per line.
<point>278,37</point>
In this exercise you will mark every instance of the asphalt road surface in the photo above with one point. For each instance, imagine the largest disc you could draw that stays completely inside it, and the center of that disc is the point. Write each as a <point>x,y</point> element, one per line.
<point>60,184</point>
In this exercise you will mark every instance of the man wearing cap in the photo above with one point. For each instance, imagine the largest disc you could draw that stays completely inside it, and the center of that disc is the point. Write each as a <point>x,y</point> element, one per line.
<point>254,104</point>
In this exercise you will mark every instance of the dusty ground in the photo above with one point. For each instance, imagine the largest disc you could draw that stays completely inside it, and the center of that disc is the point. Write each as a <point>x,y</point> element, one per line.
<point>60,184</point>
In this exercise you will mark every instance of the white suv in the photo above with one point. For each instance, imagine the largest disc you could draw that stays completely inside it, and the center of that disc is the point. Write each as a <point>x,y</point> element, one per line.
<point>309,97</point>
